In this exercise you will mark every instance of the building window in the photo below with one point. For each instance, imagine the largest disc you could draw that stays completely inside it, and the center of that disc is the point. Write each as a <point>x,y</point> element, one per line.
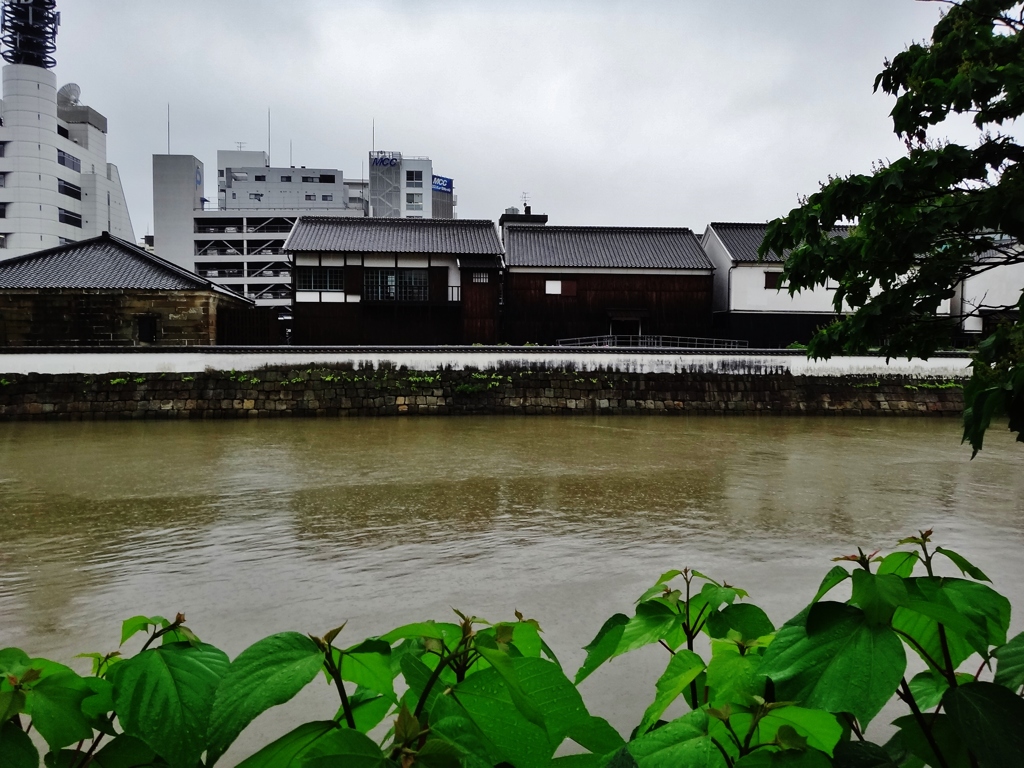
<point>147,328</point>
<point>481,277</point>
<point>553,287</point>
<point>234,195</point>
<point>319,279</point>
<point>3,210</point>
<point>259,178</point>
<point>311,197</point>
<point>220,173</point>
<point>71,190</point>
<point>773,281</point>
<point>62,131</point>
<point>327,198</point>
<point>395,285</point>
<point>414,201</point>
<point>66,240</point>
<point>286,178</point>
<point>3,241</point>
<point>69,161</point>
<point>414,179</point>
<point>326,178</point>
<point>69,217</point>
<point>3,180</point>
<point>3,148</point>
<point>309,179</point>
<point>255,195</point>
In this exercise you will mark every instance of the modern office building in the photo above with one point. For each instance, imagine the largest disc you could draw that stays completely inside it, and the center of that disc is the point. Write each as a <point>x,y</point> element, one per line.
<point>236,240</point>
<point>56,186</point>
<point>403,187</point>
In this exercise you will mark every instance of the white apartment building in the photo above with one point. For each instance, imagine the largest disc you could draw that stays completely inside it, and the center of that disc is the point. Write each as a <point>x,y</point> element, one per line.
<point>237,240</point>
<point>56,186</point>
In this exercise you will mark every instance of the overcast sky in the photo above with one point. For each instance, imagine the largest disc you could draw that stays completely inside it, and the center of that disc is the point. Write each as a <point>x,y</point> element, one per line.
<point>636,113</point>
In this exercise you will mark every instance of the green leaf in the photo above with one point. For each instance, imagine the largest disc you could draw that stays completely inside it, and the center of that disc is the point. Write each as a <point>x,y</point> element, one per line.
<point>682,742</point>
<point>927,688</point>
<point>603,646</point>
<point>526,638</point>
<point>55,703</point>
<point>369,664</point>
<point>124,752</point>
<point>899,563</point>
<point>344,748</point>
<point>682,670</point>
<point>267,673</point>
<point>821,729</point>
<point>622,759</point>
<point>288,750</point>
<point>488,703</point>
<point>735,679</point>
<point>878,596</point>
<point>164,697</point>
<point>438,753</point>
<point>832,579</point>
<point>829,657</point>
<point>502,664</point>
<point>16,748</point>
<point>915,741</point>
<point>653,620</point>
<point>421,629</point>
<point>990,720</point>
<point>134,625</point>
<point>861,754</point>
<point>13,661</point>
<point>745,618</point>
<point>368,709</point>
<point>767,758</point>
<point>596,735</point>
<point>11,703</point>
<point>964,564</point>
<point>1010,669</point>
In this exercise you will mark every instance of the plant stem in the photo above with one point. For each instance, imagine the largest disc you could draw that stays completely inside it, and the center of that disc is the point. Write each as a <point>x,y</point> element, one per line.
<point>922,723</point>
<point>950,671</point>
<point>430,684</point>
<point>335,672</point>
<point>667,647</point>
<point>728,760</point>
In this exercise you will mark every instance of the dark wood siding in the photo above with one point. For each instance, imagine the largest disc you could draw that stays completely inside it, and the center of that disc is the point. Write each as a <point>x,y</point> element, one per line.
<point>249,326</point>
<point>480,307</point>
<point>669,305</point>
<point>372,323</point>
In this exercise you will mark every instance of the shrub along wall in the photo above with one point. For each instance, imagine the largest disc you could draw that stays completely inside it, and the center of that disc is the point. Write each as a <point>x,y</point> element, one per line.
<point>387,391</point>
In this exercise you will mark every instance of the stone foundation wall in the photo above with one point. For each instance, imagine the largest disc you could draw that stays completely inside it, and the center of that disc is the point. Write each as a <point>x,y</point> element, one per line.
<point>384,391</point>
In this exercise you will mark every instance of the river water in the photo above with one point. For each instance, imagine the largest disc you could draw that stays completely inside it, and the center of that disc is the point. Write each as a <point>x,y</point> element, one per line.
<point>251,528</point>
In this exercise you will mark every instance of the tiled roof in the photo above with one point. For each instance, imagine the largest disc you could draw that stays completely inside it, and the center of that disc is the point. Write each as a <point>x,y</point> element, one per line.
<point>320,234</point>
<point>104,262</point>
<point>743,240</point>
<point>604,247</point>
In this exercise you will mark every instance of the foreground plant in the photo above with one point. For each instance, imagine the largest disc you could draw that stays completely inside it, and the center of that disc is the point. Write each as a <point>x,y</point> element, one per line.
<point>472,693</point>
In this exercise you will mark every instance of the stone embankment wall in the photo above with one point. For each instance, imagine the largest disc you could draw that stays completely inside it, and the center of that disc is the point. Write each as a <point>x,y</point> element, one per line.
<point>386,391</point>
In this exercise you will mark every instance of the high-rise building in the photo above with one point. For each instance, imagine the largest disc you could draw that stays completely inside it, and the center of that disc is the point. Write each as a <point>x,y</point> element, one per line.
<point>56,185</point>
<point>403,187</point>
<point>236,240</point>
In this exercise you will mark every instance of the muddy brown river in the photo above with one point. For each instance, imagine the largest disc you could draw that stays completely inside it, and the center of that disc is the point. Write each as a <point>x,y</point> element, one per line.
<point>252,528</point>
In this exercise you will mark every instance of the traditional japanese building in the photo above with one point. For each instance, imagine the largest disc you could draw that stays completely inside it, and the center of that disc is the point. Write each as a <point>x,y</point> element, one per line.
<point>394,281</point>
<point>565,283</point>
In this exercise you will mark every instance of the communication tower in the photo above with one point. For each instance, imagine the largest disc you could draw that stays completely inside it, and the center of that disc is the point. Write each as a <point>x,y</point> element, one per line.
<point>28,29</point>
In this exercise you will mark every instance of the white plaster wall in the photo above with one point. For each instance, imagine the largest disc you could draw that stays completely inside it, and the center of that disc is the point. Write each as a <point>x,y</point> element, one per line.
<point>716,251</point>
<point>998,287</point>
<point>748,293</point>
<point>431,360</point>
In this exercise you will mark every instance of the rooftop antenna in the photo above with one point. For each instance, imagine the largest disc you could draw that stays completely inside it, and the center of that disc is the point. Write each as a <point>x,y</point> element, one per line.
<point>268,137</point>
<point>240,145</point>
<point>525,197</point>
<point>373,135</point>
<point>29,32</point>
<point>290,154</point>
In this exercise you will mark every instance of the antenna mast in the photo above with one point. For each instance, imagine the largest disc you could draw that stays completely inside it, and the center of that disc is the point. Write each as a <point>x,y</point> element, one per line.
<point>268,137</point>
<point>29,32</point>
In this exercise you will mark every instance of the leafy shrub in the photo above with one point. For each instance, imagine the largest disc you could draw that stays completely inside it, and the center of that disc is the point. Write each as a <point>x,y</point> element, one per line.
<point>474,693</point>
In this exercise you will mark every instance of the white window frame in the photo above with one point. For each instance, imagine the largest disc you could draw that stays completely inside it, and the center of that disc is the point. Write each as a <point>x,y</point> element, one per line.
<point>553,287</point>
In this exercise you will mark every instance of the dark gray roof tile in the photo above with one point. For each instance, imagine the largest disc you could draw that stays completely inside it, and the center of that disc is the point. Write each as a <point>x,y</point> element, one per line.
<point>321,234</point>
<point>103,262</point>
<point>604,248</point>
<point>742,240</point>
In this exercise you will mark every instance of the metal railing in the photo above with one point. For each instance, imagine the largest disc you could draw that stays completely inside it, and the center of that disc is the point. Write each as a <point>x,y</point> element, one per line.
<point>678,342</point>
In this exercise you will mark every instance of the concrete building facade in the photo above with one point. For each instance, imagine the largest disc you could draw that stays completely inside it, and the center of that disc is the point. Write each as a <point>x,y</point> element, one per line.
<point>56,186</point>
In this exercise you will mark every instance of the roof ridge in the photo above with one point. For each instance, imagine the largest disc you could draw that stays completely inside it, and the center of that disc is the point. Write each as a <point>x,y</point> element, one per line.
<point>382,220</point>
<point>593,227</point>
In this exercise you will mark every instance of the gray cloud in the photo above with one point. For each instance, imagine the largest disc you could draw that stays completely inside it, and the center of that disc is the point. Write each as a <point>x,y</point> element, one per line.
<point>647,113</point>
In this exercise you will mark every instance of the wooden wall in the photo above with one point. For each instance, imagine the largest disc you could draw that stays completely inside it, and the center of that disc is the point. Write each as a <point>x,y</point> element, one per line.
<point>674,305</point>
<point>375,323</point>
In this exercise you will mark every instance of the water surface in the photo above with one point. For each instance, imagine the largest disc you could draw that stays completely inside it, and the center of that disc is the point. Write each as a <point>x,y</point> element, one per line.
<point>251,528</point>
